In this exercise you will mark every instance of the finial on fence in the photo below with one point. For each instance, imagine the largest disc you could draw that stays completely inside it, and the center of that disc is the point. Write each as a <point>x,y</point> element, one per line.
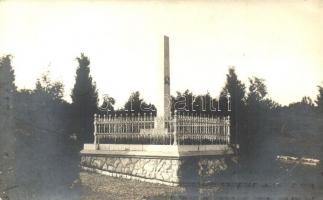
<point>95,117</point>
<point>229,101</point>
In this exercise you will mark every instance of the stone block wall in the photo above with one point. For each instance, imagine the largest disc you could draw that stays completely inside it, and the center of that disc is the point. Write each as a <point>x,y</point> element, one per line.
<point>164,170</point>
<point>160,170</point>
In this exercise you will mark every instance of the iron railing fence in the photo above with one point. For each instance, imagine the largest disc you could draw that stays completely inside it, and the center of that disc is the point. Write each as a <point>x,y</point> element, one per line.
<point>181,129</point>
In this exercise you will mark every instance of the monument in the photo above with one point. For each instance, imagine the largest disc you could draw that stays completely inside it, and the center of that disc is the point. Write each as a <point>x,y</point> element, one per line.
<point>168,149</point>
<point>164,105</point>
<point>167,97</point>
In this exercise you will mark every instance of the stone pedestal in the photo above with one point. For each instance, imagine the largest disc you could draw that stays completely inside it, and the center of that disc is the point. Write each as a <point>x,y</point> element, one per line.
<point>166,170</point>
<point>160,126</point>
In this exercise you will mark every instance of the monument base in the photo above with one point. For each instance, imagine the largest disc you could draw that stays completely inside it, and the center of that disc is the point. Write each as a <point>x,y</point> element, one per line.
<point>163,168</point>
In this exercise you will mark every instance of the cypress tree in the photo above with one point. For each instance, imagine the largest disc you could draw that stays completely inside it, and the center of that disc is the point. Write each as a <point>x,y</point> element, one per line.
<point>84,101</point>
<point>7,125</point>
<point>236,89</point>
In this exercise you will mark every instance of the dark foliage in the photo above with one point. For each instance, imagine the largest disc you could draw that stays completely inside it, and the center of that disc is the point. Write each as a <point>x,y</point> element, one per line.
<point>319,100</point>
<point>84,102</point>
<point>236,89</point>
<point>199,105</point>
<point>107,106</point>
<point>7,125</point>
<point>46,154</point>
<point>136,105</point>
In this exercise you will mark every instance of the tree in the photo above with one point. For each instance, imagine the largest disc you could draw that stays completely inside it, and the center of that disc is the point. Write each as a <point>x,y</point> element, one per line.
<point>84,101</point>
<point>7,124</point>
<point>307,101</point>
<point>107,105</point>
<point>137,105</point>
<point>319,103</point>
<point>200,105</point>
<point>236,89</point>
<point>43,129</point>
<point>185,102</point>
<point>206,105</point>
<point>305,106</point>
<point>7,83</point>
<point>257,90</point>
<point>259,115</point>
<point>319,99</point>
<point>47,88</point>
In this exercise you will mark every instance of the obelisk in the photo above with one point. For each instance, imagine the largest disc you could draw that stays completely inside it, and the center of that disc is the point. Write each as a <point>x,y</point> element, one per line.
<point>167,98</point>
<point>164,105</point>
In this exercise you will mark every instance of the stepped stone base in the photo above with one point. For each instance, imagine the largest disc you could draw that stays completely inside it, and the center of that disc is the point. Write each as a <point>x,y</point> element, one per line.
<point>153,170</point>
<point>169,170</point>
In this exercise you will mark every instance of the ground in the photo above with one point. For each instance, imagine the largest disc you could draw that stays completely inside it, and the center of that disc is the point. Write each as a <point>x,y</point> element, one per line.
<point>278,181</point>
<point>101,187</point>
<point>283,182</point>
<point>96,186</point>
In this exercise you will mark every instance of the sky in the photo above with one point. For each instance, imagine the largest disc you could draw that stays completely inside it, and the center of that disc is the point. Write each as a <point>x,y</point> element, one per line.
<point>279,41</point>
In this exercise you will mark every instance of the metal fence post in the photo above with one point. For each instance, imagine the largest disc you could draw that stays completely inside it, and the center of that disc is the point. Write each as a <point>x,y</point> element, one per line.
<point>228,127</point>
<point>175,127</point>
<point>95,132</point>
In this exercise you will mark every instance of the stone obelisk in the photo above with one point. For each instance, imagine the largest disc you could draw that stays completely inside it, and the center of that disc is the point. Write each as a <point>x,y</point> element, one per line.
<point>167,98</point>
<point>164,105</point>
